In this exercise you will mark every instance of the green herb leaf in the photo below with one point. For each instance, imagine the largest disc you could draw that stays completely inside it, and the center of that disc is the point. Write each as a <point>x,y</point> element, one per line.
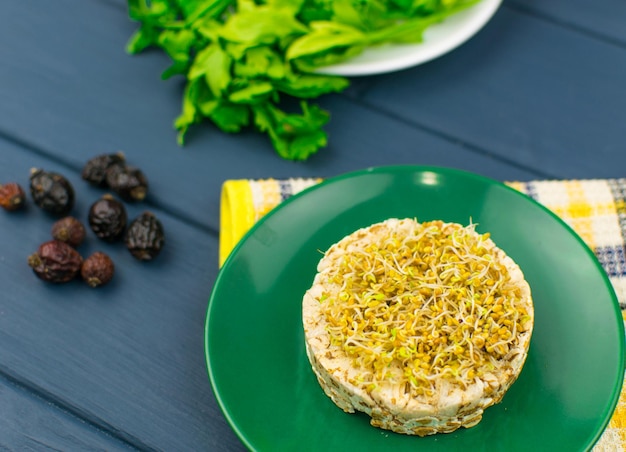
<point>311,86</point>
<point>177,44</point>
<point>260,62</point>
<point>254,93</point>
<point>230,117</point>
<point>145,10</point>
<point>324,37</point>
<point>218,74</point>
<point>346,12</point>
<point>189,114</point>
<point>146,36</point>
<point>295,137</point>
<point>261,26</point>
<point>239,57</point>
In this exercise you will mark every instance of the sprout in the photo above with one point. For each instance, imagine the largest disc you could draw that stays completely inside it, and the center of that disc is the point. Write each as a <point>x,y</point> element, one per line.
<point>429,297</point>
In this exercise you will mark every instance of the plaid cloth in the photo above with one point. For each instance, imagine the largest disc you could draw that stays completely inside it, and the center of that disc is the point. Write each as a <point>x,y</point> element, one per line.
<point>595,209</point>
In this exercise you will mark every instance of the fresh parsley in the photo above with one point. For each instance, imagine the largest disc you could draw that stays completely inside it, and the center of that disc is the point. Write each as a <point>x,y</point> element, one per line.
<point>241,58</point>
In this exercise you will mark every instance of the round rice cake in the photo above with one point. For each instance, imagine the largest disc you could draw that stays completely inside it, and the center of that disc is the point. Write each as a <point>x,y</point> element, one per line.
<point>420,325</point>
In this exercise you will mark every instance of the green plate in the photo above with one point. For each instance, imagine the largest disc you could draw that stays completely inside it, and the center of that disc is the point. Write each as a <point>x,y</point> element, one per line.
<point>255,352</point>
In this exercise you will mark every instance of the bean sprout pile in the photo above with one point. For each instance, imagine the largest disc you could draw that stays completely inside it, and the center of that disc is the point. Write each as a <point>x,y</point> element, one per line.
<point>423,302</point>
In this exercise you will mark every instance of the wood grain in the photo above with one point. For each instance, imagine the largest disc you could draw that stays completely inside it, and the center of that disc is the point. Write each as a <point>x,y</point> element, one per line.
<point>603,19</point>
<point>538,93</point>
<point>33,424</point>
<point>523,89</point>
<point>129,356</point>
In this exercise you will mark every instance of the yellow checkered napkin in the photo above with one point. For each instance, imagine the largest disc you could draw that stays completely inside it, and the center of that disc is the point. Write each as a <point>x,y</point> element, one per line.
<point>595,209</point>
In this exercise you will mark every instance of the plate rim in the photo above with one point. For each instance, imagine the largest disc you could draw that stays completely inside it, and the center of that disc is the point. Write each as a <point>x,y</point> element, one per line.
<point>615,396</point>
<point>351,69</point>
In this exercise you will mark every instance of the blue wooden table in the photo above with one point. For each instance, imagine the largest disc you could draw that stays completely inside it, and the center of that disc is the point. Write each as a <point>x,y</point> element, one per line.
<point>539,93</point>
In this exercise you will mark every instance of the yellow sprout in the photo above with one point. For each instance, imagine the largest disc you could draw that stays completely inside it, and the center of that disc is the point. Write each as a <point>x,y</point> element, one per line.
<point>432,300</point>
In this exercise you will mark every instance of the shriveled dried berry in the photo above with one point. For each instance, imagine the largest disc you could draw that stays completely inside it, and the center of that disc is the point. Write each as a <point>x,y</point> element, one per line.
<point>95,169</point>
<point>145,237</point>
<point>56,262</point>
<point>128,182</point>
<point>51,191</point>
<point>69,230</point>
<point>97,269</point>
<point>12,196</point>
<point>107,218</point>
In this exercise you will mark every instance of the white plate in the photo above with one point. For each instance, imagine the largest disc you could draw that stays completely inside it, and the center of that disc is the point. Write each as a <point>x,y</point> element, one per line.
<point>438,40</point>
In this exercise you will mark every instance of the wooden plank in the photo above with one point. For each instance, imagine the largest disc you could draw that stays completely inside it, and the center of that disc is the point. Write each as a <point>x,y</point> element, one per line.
<point>128,357</point>
<point>603,19</point>
<point>526,90</point>
<point>31,423</point>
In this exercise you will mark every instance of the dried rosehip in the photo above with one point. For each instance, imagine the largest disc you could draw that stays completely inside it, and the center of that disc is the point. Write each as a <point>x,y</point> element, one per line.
<point>56,262</point>
<point>145,237</point>
<point>128,182</point>
<point>107,218</point>
<point>69,230</point>
<point>12,196</point>
<point>51,191</point>
<point>97,269</point>
<point>95,169</point>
